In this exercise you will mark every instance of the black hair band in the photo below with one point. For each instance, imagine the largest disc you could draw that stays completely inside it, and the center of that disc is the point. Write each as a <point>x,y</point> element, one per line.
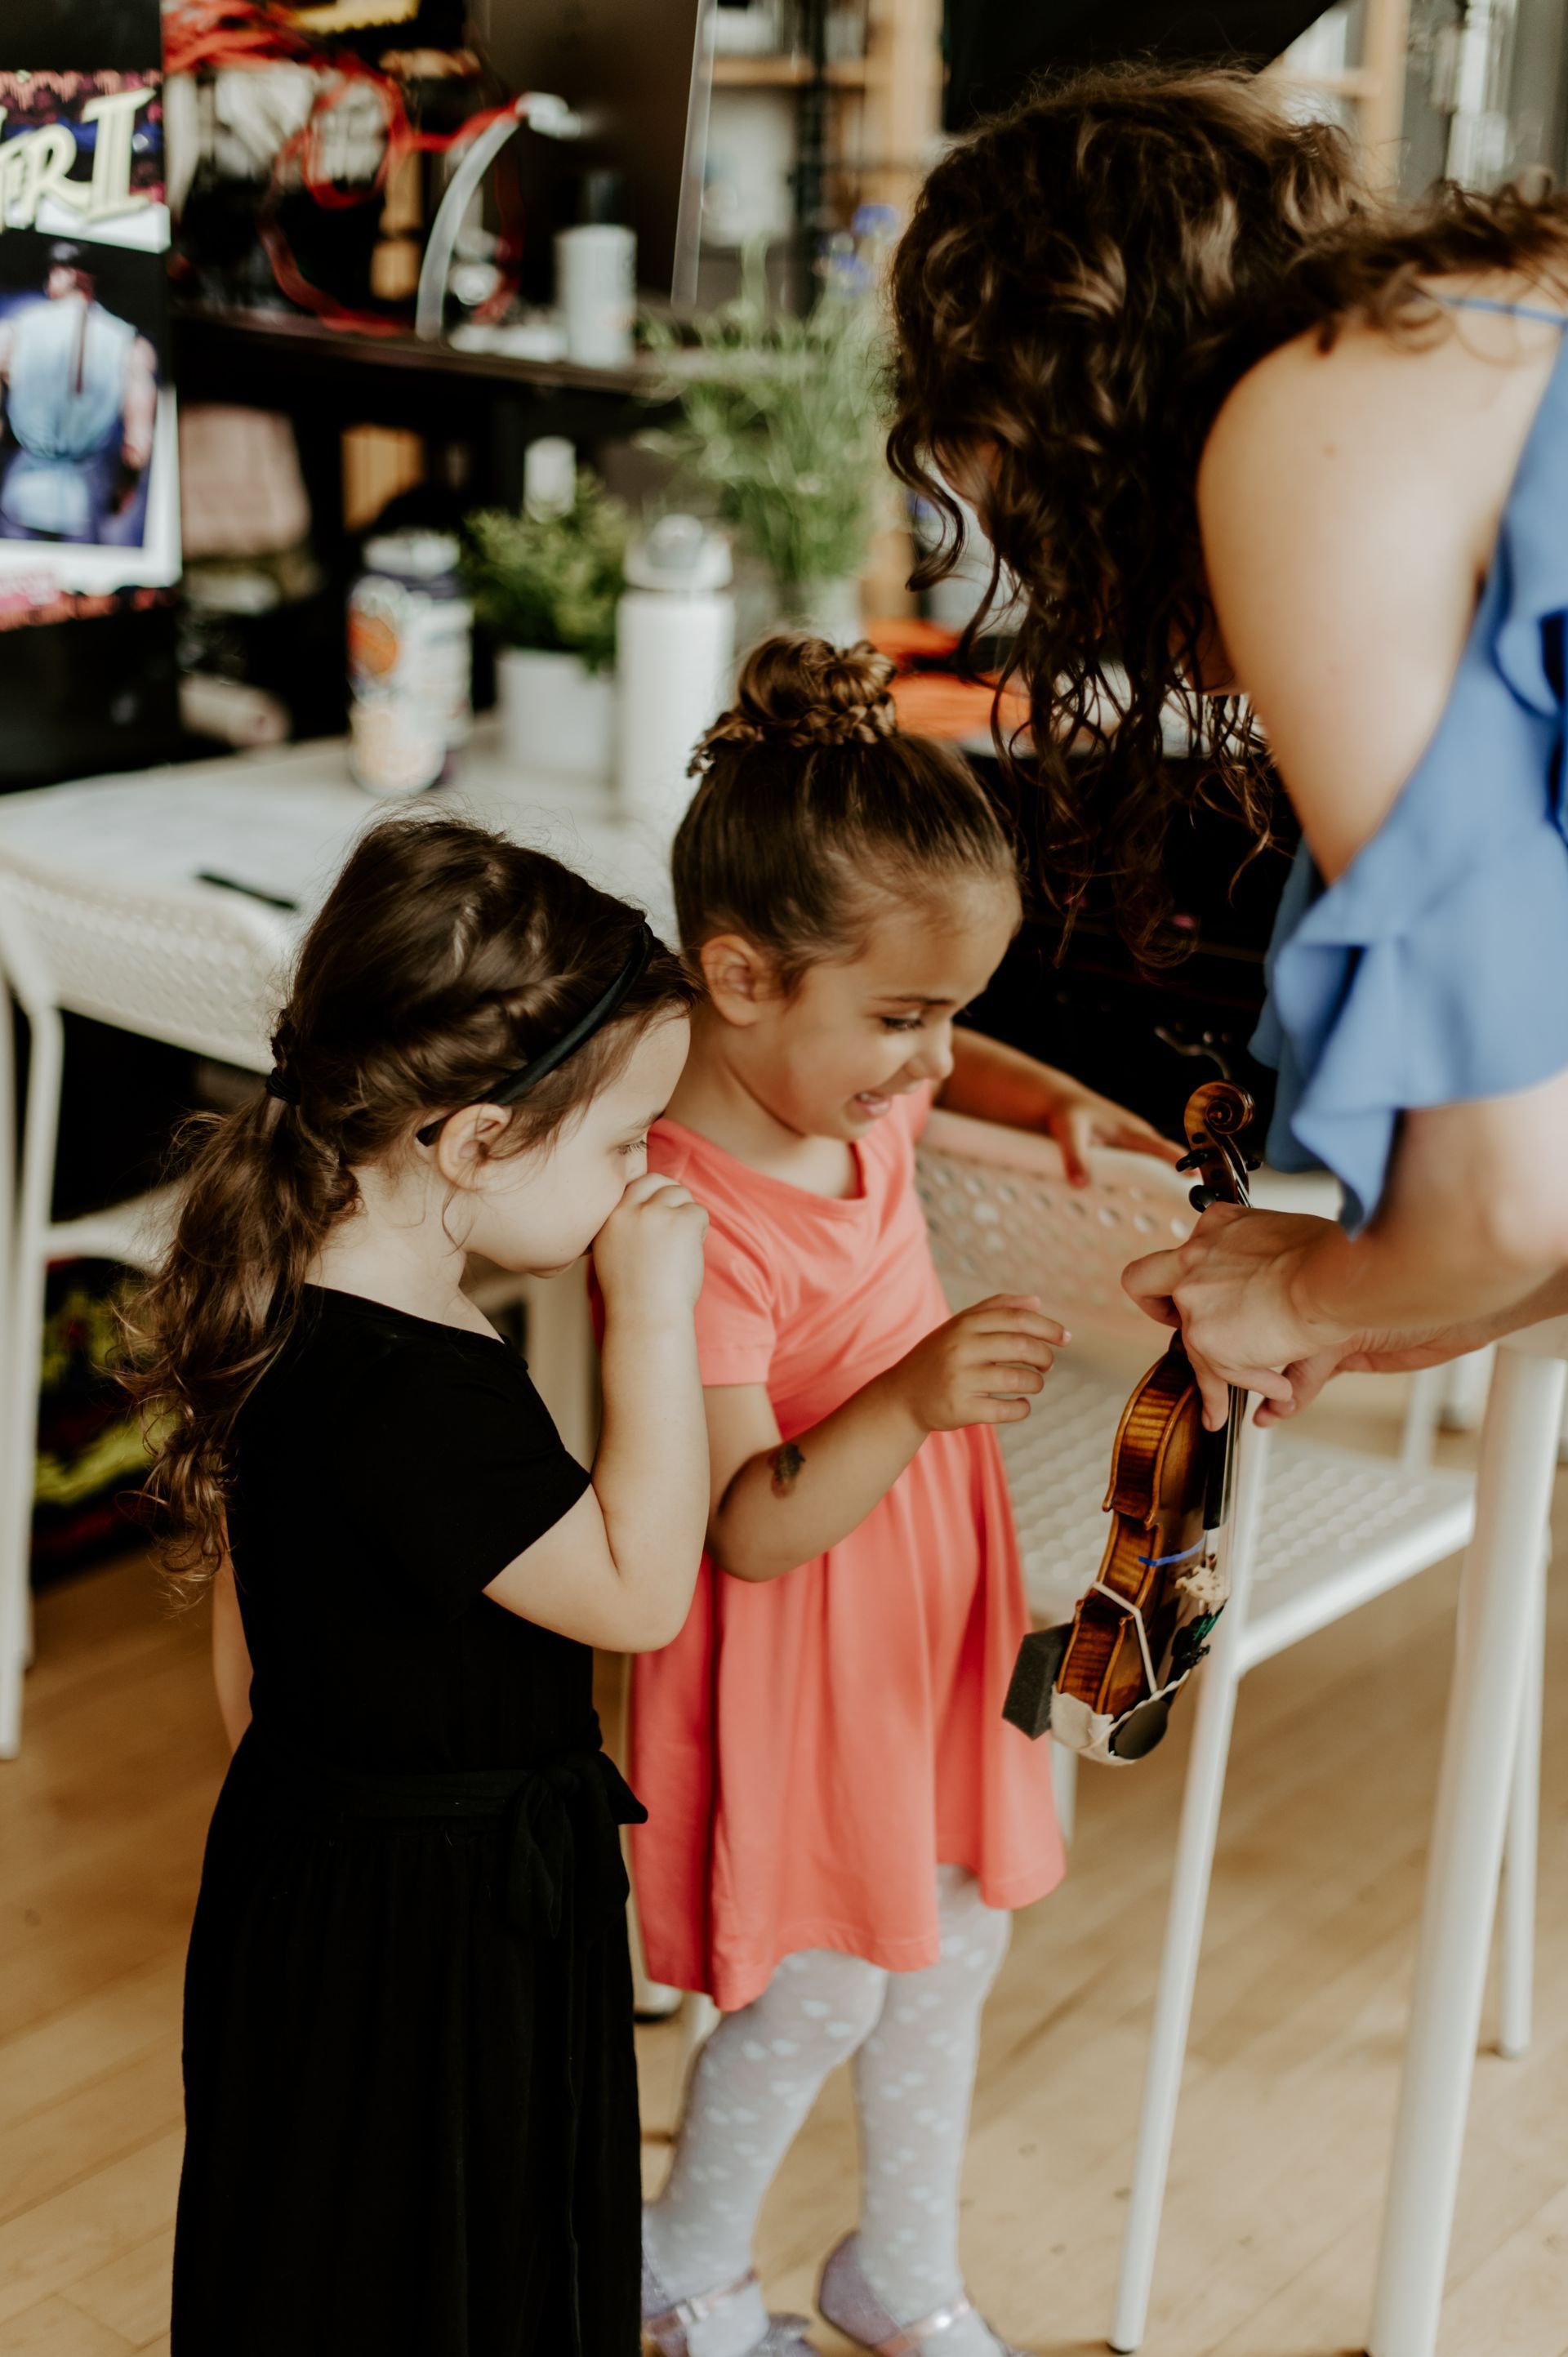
<point>518,1084</point>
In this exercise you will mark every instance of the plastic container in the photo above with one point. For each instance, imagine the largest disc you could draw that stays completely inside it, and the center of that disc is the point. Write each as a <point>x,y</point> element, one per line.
<point>674,659</point>
<point>410,663</point>
<point>595,293</point>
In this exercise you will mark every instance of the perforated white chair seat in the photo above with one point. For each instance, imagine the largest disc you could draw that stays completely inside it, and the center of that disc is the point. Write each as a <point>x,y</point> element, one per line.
<point>1337,1527</point>
<point>198,969</point>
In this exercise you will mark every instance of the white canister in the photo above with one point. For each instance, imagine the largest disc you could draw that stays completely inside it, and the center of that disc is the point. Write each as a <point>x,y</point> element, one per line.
<point>556,715</point>
<point>674,659</point>
<point>596,292</point>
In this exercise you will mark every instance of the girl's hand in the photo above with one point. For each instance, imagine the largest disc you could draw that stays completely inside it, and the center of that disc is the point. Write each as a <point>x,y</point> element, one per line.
<point>647,1257</point>
<point>1079,1119</point>
<point>980,1367</point>
<point>1235,1290</point>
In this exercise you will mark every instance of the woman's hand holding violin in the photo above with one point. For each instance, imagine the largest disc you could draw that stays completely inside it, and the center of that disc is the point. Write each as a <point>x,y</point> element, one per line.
<point>1236,1288</point>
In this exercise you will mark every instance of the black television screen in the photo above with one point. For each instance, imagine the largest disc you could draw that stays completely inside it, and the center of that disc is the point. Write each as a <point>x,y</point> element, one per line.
<point>997,47</point>
<point>638,73</point>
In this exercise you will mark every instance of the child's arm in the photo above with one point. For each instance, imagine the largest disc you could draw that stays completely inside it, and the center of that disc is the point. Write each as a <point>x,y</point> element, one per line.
<point>1003,1084</point>
<point>230,1656</point>
<point>618,1568</point>
<point>777,1503</point>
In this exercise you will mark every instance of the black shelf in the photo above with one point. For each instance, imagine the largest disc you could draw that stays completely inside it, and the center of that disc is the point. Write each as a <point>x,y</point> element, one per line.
<point>212,341</point>
<point>326,380</point>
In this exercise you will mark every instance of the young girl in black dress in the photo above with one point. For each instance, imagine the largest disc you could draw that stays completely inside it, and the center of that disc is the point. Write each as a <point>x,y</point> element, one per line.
<point>411,2100</point>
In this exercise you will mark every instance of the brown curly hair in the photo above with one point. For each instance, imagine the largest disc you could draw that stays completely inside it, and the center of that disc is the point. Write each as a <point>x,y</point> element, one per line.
<point>814,805</point>
<point>444,957</point>
<point>1083,282</point>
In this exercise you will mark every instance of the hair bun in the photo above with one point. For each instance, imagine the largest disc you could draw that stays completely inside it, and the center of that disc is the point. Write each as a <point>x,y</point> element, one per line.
<point>806,692</point>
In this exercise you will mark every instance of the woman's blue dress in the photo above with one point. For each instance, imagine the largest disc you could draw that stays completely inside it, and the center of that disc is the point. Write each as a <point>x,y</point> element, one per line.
<point>1431,971</point>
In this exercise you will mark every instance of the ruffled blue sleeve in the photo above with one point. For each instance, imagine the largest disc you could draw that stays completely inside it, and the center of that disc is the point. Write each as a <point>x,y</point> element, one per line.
<point>1435,969</point>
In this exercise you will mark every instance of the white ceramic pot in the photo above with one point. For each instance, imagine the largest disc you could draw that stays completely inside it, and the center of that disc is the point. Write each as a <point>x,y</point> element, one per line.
<point>556,714</point>
<point>827,610</point>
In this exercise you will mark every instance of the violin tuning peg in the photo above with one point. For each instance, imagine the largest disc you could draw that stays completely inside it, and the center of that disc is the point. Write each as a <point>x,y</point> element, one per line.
<point>1201,1197</point>
<point>1254,1161</point>
<point>1190,1162</point>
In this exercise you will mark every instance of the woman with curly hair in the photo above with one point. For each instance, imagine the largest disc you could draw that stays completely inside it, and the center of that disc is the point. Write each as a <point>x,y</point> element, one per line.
<point>1267,447</point>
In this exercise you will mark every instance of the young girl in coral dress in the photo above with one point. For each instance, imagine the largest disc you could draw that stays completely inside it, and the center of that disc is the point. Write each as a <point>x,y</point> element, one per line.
<point>839,1819</point>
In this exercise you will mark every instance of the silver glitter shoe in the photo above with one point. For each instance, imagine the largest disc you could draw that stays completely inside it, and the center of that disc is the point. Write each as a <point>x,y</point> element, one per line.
<point>849,2304</point>
<point>666,2322</point>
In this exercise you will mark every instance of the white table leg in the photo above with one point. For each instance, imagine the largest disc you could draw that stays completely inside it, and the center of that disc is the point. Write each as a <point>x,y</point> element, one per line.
<point>1499,1625</point>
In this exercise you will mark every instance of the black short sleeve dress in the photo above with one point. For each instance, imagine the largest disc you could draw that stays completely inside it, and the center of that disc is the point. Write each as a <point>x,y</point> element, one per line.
<point>410,2086</point>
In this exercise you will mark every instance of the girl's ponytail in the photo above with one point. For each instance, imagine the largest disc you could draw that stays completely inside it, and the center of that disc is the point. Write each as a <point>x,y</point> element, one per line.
<point>258,1196</point>
<point>443,958</point>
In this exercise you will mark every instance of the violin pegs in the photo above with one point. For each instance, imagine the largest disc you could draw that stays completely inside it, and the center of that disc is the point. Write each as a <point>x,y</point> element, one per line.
<point>1254,1161</point>
<point>1190,1162</point>
<point>1201,1197</point>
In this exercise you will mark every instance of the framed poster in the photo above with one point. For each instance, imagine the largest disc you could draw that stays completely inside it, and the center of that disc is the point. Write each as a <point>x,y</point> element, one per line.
<point>88,496</point>
<point>88,451</point>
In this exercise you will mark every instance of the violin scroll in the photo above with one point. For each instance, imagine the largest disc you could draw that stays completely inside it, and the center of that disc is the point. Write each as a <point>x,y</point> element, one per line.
<point>1217,1115</point>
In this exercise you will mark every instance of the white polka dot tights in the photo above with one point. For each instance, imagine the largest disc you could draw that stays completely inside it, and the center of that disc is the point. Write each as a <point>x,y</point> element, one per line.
<point>913,2037</point>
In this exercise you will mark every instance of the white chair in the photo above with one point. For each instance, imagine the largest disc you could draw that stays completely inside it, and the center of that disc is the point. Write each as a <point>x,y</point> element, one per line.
<point>1317,1530</point>
<point>195,968</point>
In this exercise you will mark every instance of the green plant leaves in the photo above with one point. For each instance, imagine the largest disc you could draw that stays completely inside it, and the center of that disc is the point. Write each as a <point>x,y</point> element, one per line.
<point>551,581</point>
<point>780,426</point>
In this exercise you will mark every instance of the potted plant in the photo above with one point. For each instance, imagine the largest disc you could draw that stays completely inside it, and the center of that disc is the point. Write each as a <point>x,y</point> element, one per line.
<point>778,426</point>
<point>546,583</point>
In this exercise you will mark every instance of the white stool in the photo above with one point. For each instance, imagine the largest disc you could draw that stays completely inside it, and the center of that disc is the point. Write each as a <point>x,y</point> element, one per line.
<point>1496,1689</point>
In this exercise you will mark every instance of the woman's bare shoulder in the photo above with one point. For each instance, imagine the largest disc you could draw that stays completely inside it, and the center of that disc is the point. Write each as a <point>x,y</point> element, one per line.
<point>1311,418</point>
<point>1348,503</point>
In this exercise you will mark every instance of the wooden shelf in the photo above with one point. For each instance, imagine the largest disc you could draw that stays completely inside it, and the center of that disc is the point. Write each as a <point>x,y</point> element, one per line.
<point>784,73</point>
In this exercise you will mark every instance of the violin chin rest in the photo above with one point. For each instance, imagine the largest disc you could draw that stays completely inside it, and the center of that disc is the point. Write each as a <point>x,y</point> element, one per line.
<point>1031,1690</point>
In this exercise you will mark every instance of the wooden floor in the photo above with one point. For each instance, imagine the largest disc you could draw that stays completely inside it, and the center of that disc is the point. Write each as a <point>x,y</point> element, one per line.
<point>1271,2223</point>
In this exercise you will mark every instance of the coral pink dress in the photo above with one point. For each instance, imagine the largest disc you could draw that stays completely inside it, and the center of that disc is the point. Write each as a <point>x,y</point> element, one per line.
<point>809,1748</point>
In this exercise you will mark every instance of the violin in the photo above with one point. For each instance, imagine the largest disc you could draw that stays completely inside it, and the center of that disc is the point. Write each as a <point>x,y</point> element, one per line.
<point>1104,1682</point>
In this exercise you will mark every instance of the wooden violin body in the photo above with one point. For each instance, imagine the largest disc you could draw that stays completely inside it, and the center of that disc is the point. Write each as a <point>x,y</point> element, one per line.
<point>1104,1682</point>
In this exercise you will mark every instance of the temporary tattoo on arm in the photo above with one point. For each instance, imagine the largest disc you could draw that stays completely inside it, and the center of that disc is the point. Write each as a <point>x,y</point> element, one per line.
<point>785,1465</point>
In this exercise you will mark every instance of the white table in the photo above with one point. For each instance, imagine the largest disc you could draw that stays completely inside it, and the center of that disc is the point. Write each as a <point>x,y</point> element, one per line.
<point>284,821</point>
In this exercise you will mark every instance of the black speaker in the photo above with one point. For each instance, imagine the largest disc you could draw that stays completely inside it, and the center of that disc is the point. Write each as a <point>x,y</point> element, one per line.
<point>997,47</point>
